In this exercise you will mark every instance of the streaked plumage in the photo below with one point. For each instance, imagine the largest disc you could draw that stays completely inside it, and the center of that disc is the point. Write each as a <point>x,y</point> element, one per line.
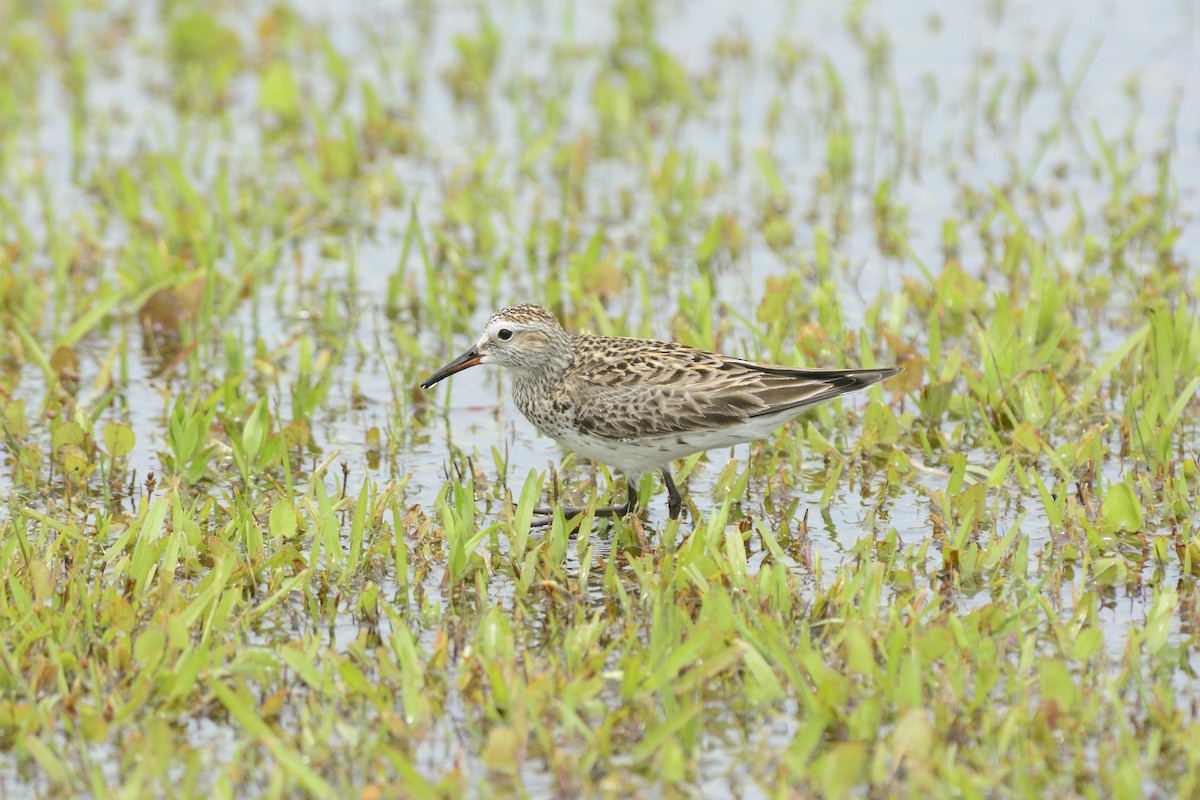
<point>639,404</point>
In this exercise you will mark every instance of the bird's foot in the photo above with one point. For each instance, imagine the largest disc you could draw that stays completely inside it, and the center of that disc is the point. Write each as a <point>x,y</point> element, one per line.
<point>546,513</point>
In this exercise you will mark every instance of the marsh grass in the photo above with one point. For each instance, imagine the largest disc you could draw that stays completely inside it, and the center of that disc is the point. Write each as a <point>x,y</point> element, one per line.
<point>243,555</point>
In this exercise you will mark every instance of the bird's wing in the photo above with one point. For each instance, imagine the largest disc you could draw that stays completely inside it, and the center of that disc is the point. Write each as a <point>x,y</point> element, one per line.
<point>635,388</point>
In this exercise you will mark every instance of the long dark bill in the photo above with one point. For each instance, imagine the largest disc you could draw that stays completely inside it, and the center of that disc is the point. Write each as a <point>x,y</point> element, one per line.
<point>467,359</point>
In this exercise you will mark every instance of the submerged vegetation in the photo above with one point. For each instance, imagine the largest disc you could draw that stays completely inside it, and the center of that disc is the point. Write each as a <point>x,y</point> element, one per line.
<point>242,554</point>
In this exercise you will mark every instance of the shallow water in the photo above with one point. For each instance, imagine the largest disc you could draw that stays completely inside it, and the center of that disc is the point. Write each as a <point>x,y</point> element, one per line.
<point>923,123</point>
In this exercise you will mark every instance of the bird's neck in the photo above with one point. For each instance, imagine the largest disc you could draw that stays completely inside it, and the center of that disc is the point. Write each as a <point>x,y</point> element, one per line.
<point>548,371</point>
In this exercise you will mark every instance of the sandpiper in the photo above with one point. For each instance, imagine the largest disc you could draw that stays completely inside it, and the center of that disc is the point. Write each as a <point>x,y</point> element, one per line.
<point>639,404</point>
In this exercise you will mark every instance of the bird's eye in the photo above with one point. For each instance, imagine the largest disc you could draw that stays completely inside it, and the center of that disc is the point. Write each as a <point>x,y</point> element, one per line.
<point>504,334</point>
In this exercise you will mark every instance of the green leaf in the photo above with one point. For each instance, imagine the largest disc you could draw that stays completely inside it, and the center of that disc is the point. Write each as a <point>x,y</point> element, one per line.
<point>279,92</point>
<point>1121,510</point>
<point>149,646</point>
<point>1088,643</point>
<point>1110,571</point>
<point>283,520</point>
<point>880,424</point>
<point>66,434</point>
<point>841,768</point>
<point>119,439</point>
<point>530,492</point>
<point>254,433</point>
<point>74,463</point>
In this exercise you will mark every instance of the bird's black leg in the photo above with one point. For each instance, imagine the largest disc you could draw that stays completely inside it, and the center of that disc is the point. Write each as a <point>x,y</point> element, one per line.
<point>631,504</point>
<point>674,499</point>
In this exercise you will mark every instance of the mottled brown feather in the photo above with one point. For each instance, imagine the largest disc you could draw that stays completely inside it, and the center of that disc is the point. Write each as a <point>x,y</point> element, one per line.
<point>682,389</point>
